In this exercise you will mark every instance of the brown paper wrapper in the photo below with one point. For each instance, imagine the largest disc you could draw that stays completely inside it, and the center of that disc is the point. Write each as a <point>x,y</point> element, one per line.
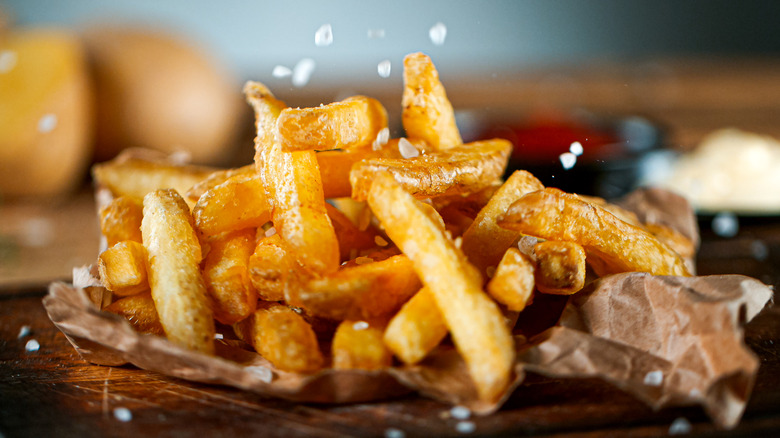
<point>669,341</point>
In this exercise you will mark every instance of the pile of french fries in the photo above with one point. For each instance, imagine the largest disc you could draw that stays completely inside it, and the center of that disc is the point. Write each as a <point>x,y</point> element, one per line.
<point>340,247</point>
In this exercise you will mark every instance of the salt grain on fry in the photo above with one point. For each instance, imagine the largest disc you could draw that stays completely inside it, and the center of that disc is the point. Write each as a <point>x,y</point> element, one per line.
<point>360,325</point>
<point>406,149</point>
<point>47,123</point>
<point>270,232</point>
<point>381,138</point>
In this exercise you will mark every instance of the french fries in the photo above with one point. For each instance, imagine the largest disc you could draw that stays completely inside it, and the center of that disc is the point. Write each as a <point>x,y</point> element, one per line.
<point>226,274</point>
<point>560,267</point>
<point>122,268</point>
<point>236,204</point>
<point>139,310</point>
<point>359,345</point>
<point>268,266</point>
<point>416,329</point>
<point>513,282</point>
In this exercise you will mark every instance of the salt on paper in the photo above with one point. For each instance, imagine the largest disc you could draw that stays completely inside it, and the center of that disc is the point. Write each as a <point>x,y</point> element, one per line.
<point>324,36</point>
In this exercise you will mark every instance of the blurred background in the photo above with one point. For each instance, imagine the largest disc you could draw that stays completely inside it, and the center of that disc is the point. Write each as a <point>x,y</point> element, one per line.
<point>636,84</point>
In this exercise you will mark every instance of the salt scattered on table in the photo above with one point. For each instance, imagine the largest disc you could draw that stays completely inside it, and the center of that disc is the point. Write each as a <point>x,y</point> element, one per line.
<point>32,346</point>
<point>24,331</point>
<point>654,378</point>
<point>460,413</point>
<point>392,432</point>
<point>465,427</point>
<point>680,426</point>
<point>123,414</point>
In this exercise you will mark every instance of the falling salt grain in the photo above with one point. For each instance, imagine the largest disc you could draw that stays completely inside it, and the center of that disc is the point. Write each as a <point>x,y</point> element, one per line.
<point>466,427</point>
<point>376,33</point>
<point>725,224</point>
<point>360,325</point>
<point>380,241</point>
<point>24,331</point>
<point>392,432</point>
<point>568,160</point>
<point>270,232</point>
<point>406,149</point>
<point>438,33</point>
<point>382,138</point>
<point>219,336</point>
<point>281,71</point>
<point>759,250</point>
<point>32,346</point>
<point>383,68</point>
<point>680,426</point>
<point>263,373</point>
<point>654,378</point>
<point>7,60</point>
<point>323,36</point>
<point>123,414</point>
<point>302,72</point>
<point>47,123</point>
<point>576,148</point>
<point>460,413</point>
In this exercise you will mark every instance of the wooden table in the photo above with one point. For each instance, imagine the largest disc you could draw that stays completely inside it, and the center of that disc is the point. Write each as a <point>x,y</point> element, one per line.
<point>53,392</point>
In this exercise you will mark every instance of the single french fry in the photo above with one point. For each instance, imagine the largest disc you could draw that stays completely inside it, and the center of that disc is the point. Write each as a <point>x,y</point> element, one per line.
<point>351,123</point>
<point>214,179</point>
<point>554,215</point>
<point>122,268</point>
<point>226,274</point>
<point>236,204</point>
<point>358,345</point>
<point>268,266</point>
<point>560,267</point>
<point>335,166</point>
<point>620,212</point>
<point>282,336</point>
<point>365,291</point>
<point>427,113</point>
<point>513,281</point>
<point>484,242</point>
<point>121,220</point>
<point>416,329</point>
<point>473,319</point>
<point>173,264</point>
<point>139,310</point>
<point>463,169</point>
<point>267,109</point>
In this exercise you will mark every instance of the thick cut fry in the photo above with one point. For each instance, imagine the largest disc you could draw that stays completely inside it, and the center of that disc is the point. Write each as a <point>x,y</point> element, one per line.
<point>135,174</point>
<point>335,166</point>
<point>122,268</point>
<point>513,282</point>
<point>173,267</point>
<point>620,247</point>
<point>214,179</point>
<point>416,329</point>
<point>236,204</point>
<point>139,310</point>
<point>283,337</point>
<point>121,220</point>
<point>268,266</point>
<point>675,240</point>
<point>484,242</point>
<point>365,291</point>
<point>560,267</point>
<point>351,123</point>
<point>463,169</point>
<point>226,274</point>
<point>620,212</point>
<point>427,113</point>
<point>358,345</point>
<point>474,320</point>
<point>292,179</point>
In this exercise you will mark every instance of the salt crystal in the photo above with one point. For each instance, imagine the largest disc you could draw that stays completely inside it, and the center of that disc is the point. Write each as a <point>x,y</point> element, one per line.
<point>219,336</point>
<point>381,138</point>
<point>32,346</point>
<point>281,71</point>
<point>458,242</point>
<point>383,68</point>
<point>265,374</point>
<point>360,325</point>
<point>24,331</point>
<point>270,232</point>
<point>759,250</point>
<point>460,413</point>
<point>324,36</point>
<point>725,224</point>
<point>568,160</point>
<point>406,149</point>
<point>376,33</point>
<point>654,378</point>
<point>380,241</point>
<point>47,123</point>
<point>438,33</point>
<point>466,427</point>
<point>7,60</point>
<point>302,72</point>
<point>123,414</point>
<point>392,432</point>
<point>576,148</point>
<point>680,426</point>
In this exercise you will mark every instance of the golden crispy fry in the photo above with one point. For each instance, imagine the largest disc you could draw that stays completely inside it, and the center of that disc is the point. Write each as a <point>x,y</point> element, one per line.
<point>462,169</point>
<point>282,336</point>
<point>335,166</point>
<point>268,266</point>
<point>554,215</point>
<point>474,320</point>
<point>351,123</point>
<point>214,179</point>
<point>292,179</point>
<point>237,203</point>
<point>139,310</point>
<point>679,243</point>
<point>121,220</point>
<point>359,345</point>
<point>356,211</point>
<point>513,282</point>
<point>174,256</point>
<point>122,268</point>
<point>484,242</point>
<point>620,212</point>
<point>226,274</point>
<point>560,267</point>
<point>365,291</point>
<point>351,239</point>
<point>135,174</point>
<point>416,329</point>
<point>427,113</point>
